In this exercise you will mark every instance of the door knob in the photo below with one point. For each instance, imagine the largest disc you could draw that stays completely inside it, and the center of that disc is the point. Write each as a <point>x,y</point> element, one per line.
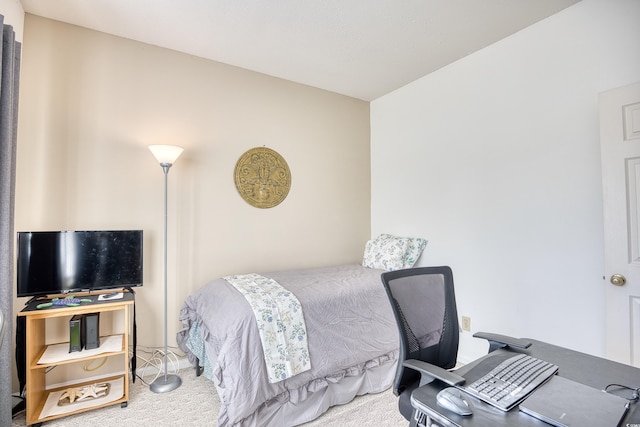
<point>618,280</point>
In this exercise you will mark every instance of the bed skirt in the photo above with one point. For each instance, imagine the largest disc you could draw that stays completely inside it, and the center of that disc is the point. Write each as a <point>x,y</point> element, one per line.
<point>307,403</point>
<point>316,398</point>
<point>295,407</point>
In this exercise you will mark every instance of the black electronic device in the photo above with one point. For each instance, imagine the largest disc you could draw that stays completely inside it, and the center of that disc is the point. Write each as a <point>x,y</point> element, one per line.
<point>76,335</point>
<point>91,329</point>
<point>58,262</point>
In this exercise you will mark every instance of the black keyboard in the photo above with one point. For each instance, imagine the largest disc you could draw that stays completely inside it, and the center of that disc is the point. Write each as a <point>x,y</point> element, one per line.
<point>510,382</point>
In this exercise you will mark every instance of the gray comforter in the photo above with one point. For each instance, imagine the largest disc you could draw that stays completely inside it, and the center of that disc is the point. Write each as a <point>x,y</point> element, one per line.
<point>350,328</point>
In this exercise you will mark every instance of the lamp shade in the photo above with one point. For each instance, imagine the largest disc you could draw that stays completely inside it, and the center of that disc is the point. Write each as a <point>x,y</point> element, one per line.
<point>166,154</point>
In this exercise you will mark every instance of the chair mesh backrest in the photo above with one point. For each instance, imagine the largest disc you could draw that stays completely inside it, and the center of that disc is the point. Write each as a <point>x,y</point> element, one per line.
<point>423,301</point>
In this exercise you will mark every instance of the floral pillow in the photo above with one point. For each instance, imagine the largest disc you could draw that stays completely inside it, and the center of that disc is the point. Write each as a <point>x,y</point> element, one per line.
<point>390,252</point>
<point>385,254</point>
<point>416,246</point>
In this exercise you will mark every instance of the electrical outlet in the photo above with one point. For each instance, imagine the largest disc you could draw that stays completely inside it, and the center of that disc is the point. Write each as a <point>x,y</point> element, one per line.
<point>466,323</point>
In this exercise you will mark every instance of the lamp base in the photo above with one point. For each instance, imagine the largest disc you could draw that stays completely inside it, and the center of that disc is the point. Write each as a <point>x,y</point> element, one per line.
<point>165,384</point>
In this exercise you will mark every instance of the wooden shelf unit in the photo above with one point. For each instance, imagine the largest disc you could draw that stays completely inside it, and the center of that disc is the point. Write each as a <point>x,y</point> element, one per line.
<point>37,390</point>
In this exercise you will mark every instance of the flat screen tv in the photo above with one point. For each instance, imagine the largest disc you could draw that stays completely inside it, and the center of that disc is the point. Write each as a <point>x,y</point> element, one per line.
<point>58,262</point>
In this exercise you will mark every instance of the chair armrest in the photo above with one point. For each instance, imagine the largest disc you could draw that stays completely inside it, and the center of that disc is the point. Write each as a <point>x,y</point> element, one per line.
<point>429,372</point>
<point>497,341</point>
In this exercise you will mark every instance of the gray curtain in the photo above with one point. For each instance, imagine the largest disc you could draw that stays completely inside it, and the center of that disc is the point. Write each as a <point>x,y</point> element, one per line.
<point>10,70</point>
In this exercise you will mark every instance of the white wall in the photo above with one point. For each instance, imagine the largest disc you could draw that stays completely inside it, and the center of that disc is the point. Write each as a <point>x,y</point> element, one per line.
<point>13,15</point>
<point>496,160</point>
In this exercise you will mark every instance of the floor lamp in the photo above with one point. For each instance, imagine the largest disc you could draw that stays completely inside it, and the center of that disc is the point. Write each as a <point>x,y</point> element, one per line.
<point>166,156</point>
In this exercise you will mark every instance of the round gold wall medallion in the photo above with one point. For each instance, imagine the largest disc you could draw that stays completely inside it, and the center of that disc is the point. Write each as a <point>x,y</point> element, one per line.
<point>262,177</point>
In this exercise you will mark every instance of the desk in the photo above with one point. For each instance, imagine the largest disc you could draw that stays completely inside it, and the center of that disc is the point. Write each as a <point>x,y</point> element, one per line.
<point>586,369</point>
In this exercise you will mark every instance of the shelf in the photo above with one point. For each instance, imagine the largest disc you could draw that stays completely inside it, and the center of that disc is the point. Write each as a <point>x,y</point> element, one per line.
<point>57,354</point>
<point>96,304</point>
<point>51,409</point>
<point>47,346</point>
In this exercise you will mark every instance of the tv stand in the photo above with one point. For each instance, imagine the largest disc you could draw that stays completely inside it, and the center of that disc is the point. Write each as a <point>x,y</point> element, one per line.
<point>41,328</point>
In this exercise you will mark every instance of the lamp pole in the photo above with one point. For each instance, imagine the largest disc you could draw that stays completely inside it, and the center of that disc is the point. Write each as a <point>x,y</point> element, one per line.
<point>166,155</point>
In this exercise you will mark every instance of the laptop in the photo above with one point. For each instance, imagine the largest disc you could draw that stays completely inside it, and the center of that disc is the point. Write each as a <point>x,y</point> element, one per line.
<point>563,403</point>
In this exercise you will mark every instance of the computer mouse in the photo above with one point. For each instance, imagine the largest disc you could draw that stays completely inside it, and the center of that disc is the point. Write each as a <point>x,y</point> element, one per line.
<point>454,400</point>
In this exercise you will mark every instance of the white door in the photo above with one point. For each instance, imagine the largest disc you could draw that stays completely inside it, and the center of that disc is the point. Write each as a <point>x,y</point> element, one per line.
<point>620,145</point>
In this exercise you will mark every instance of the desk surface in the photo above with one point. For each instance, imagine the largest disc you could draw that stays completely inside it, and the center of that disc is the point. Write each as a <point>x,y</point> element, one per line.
<point>583,368</point>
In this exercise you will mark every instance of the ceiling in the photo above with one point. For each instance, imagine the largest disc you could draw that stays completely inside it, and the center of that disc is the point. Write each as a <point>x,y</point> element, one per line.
<point>359,48</point>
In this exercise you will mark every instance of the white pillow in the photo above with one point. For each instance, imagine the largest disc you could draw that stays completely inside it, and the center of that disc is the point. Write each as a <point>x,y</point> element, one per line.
<point>385,253</point>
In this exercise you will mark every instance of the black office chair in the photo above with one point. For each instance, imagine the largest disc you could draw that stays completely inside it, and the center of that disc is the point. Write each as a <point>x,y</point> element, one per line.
<point>424,304</point>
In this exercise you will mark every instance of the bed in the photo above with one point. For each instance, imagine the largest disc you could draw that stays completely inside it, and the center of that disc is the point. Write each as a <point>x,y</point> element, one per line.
<point>351,336</point>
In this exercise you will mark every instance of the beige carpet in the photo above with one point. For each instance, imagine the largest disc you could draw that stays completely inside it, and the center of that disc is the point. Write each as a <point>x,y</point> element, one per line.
<point>196,403</point>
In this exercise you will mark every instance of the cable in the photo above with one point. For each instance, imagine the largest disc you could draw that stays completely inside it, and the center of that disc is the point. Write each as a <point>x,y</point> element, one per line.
<point>86,367</point>
<point>19,407</point>
<point>634,396</point>
<point>155,362</point>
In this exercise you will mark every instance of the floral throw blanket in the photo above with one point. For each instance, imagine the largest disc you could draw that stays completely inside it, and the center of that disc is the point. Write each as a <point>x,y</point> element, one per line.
<point>280,322</point>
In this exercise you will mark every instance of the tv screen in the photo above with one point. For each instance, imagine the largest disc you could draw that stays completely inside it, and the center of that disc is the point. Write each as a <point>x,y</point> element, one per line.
<point>56,262</point>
